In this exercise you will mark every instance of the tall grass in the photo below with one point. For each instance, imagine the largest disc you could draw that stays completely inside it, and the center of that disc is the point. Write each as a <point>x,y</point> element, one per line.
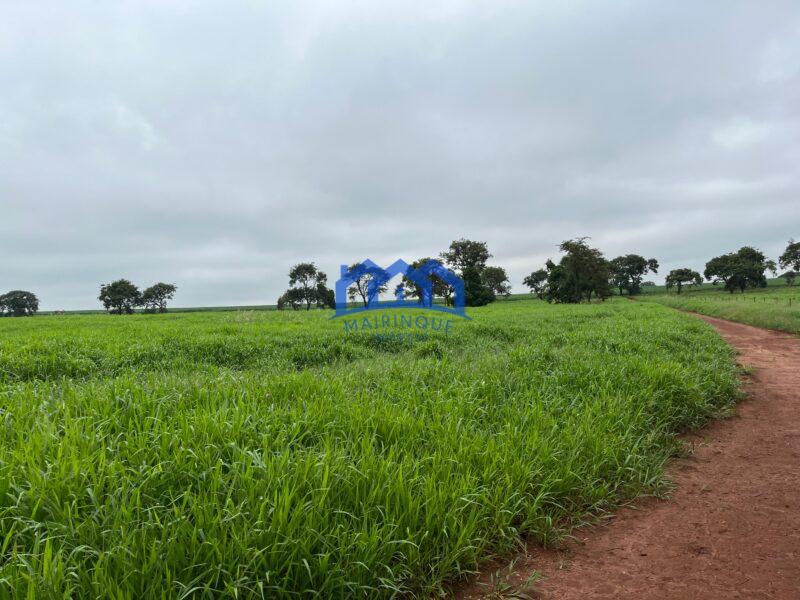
<point>270,455</point>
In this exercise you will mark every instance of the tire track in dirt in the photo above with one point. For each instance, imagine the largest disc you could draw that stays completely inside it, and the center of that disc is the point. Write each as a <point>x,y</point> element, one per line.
<point>731,528</point>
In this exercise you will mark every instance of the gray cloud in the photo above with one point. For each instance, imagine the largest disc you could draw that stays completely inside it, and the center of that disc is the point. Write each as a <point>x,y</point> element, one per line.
<point>215,144</point>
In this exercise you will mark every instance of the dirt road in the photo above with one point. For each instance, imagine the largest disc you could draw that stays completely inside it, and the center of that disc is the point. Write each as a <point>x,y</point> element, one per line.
<point>732,526</point>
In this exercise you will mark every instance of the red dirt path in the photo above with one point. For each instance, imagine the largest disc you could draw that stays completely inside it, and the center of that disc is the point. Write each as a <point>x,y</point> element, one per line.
<point>731,528</point>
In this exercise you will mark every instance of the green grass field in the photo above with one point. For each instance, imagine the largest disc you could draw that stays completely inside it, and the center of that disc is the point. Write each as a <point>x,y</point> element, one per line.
<point>776,306</point>
<point>266,454</point>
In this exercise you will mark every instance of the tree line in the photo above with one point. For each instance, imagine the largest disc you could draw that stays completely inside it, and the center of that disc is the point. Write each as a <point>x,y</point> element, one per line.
<point>741,270</point>
<point>465,258</point>
<point>123,297</point>
<point>582,273</point>
<point>118,298</point>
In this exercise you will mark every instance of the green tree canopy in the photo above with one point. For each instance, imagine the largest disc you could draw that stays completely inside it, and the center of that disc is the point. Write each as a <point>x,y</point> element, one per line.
<point>441,289</point>
<point>155,298</point>
<point>476,292</point>
<point>496,279</point>
<point>465,253</point>
<point>364,276</point>
<point>582,273</point>
<point>739,270</point>
<point>627,272</point>
<point>293,297</point>
<point>468,259</point>
<point>326,297</point>
<point>308,286</point>
<point>537,282</point>
<point>120,297</point>
<point>680,277</point>
<point>19,303</point>
<point>790,259</point>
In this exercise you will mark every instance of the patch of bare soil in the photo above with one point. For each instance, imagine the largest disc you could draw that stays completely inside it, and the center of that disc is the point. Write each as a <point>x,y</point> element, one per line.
<point>731,528</point>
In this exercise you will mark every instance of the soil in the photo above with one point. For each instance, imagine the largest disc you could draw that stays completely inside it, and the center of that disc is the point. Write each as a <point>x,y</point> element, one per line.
<point>731,527</point>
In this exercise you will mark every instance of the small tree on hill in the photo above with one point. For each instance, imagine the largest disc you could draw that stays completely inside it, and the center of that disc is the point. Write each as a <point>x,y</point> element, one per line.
<point>537,281</point>
<point>19,303</point>
<point>680,277</point>
<point>496,279</point>
<point>789,276</point>
<point>120,297</point>
<point>627,272</point>
<point>155,298</point>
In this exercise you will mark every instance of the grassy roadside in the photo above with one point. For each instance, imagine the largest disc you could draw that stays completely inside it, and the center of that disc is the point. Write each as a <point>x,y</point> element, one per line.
<point>267,454</point>
<point>771,308</point>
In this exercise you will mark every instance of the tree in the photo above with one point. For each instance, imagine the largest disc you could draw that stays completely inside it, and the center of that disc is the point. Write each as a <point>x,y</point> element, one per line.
<point>155,298</point>
<point>308,287</point>
<point>583,272</point>
<point>19,303</point>
<point>326,297</point>
<point>720,270</point>
<point>680,277</point>
<point>619,278</point>
<point>790,259</point>
<point>305,277</point>
<point>465,253</point>
<point>537,281</point>
<point>363,277</point>
<point>496,279</point>
<point>627,272</point>
<point>441,289</point>
<point>293,297</point>
<point>476,293</point>
<point>789,276</point>
<point>468,259</point>
<point>120,297</point>
<point>739,270</point>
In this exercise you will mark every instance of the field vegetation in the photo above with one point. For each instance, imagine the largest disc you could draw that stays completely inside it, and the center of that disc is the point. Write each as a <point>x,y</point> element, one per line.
<point>776,306</point>
<point>268,454</point>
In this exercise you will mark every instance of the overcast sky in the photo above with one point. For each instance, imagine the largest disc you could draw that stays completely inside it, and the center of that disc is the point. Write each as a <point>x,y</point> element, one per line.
<point>214,144</point>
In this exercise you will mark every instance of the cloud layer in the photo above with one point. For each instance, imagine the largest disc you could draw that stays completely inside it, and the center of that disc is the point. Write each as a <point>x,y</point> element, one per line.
<point>215,144</point>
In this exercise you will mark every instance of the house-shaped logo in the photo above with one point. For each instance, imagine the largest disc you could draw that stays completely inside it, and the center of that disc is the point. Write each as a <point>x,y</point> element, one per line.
<point>372,279</point>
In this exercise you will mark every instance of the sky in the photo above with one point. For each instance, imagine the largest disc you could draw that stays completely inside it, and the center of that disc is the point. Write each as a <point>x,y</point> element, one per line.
<point>215,144</point>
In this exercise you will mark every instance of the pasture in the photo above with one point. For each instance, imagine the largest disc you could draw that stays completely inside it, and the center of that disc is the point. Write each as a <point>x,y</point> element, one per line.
<point>776,306</point>
<point>268,454</point>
